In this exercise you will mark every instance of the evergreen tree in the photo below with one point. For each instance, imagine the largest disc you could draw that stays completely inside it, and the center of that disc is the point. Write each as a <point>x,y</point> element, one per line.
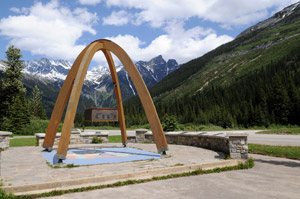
<point>35,105</point>
<point>18,114</point>
<point>280,101</point>
<point>12,95</point>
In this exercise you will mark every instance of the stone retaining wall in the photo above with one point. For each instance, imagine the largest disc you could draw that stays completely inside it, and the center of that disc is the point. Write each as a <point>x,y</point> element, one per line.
<point>76,137</point>
<point>4,139</point>
<point>233,144</point>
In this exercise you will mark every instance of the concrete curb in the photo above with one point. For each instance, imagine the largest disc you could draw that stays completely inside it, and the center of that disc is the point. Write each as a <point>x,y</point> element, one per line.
<point>102,180</point>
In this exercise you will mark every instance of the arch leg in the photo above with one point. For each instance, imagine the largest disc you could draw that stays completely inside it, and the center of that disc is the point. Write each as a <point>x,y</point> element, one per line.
<point>118,95</point>
<point>84,63</point>
<point>61,103</point>
<point>145,97</point>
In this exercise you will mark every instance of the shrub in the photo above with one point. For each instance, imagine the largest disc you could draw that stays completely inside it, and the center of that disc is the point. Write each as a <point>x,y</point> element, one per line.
<point>37,126</point>
<point>169,123</point>
<point>96,140</point>
<point>4,195</point>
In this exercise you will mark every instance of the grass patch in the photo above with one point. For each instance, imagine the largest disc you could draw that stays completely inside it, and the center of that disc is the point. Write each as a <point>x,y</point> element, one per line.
<point>62,166</point>
<point>4,195</point>
<point>178,164</point>
<point>115,139</point>
<point>22,142</point>
<point>248,164</point>
<point>288,131</point>
<point>147,142</point>
<point>291,152</point>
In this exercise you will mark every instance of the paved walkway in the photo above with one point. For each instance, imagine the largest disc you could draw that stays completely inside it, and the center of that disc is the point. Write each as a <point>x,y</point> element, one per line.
<point>25,166</point>
<point>271,178</point>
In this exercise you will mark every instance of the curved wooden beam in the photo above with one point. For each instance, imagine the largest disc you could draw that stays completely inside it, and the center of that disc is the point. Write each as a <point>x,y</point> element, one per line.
<point>74,98</point>
<point>72,88</point>
<point>61,103</point>
<point>143,93</point>
<point>117,90</point>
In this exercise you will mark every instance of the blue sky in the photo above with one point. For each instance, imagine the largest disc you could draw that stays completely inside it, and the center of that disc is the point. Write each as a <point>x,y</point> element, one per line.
<point>179,29</point>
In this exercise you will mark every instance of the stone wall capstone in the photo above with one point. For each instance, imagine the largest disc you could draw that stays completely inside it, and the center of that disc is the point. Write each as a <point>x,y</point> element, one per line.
<point>4,139</point>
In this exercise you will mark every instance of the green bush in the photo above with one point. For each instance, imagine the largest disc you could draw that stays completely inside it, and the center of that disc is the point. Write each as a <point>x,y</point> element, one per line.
<point>37,126</point>
<point>97,140</point>
<point>169,123</point>
<point>4,195</point>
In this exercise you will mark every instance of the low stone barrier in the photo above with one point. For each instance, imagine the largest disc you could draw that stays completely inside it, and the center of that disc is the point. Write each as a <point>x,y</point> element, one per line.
<point>233,144</point>
<point>4,139</point>
<point>77,137</point>
<point>140,135</point>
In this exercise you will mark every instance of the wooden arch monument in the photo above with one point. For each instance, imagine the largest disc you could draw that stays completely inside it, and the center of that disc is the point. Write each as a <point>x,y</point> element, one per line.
<point>71,90</point>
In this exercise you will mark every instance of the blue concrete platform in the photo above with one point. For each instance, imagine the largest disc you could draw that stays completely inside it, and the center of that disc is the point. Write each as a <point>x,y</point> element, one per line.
<point>81,156</point>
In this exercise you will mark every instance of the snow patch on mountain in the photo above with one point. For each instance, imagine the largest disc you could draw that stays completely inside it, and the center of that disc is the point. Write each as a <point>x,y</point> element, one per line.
<point>94,75</point>
<point>59,69</point>
<point>98,79</point>
<point>49,69</point>
<point>2,65</point>
<point>130,84</point>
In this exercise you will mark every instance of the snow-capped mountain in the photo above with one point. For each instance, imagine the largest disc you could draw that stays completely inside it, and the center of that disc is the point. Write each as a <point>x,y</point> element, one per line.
<point>98,88</point>
<point>152,72</point>
<point>99,76</point>
<point>94,75</point>
<point>157,68</point>
<point>58,69</point>
<point>49,69</point>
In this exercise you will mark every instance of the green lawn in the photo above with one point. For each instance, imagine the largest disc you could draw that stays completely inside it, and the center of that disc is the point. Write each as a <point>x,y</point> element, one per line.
<point>291,131</point>
<point>292,152</point>
<point>115,139</point>
<point>22,142</point>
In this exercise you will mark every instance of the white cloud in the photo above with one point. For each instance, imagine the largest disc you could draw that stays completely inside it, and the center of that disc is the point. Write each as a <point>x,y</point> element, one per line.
<point>89,2</point>
<point>54,30</point>
<point>16,10</point>
<point>117,18</point>
<point>49,29</point>
<point>183,45</point>
<point>228,13</point>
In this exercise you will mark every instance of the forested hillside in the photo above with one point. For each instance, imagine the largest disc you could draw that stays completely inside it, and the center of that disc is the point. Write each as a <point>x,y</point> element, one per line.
<point>251,81</point>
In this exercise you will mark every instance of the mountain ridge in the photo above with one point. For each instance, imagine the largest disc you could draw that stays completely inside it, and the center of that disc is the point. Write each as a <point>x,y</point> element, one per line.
<point>253,80</point>
<point>98,88</point>
<point>249,44</point>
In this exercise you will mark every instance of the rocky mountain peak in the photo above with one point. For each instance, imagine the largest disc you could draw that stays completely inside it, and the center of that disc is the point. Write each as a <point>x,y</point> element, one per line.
<point>293,9</point>
<point>157,60</point>
<point>172,63</point>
